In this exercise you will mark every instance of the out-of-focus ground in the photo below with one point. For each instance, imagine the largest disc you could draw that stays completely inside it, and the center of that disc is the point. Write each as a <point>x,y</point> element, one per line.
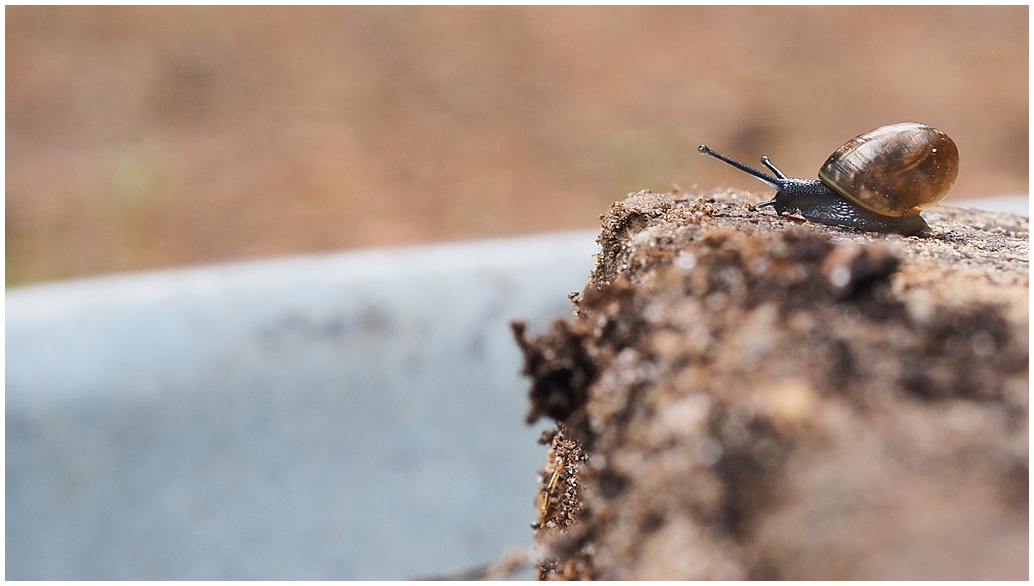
<point>163,136</point>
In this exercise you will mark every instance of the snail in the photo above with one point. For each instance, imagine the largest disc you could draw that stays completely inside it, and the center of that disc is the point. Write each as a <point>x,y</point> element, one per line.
<point>877,182</point>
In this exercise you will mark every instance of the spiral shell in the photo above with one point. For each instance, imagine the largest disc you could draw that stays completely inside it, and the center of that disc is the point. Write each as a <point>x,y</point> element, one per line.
<point>895,169</point>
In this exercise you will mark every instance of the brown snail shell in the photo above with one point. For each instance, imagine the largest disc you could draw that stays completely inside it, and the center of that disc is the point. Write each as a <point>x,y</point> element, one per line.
<point>895,169</point>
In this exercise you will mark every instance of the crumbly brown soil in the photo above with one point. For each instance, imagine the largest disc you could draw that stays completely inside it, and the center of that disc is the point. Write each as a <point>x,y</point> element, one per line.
<point>740,395</point>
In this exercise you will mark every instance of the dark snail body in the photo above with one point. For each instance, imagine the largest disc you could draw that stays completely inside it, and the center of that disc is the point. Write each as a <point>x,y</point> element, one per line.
<point>877,182</point>
<point>820,204</point>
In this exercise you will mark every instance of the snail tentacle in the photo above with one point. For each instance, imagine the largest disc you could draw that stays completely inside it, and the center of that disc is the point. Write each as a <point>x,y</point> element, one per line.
<point>765,177</point>
<point>766,162</point>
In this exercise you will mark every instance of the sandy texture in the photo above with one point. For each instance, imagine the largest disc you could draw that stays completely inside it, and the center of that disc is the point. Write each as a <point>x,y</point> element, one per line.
<point>743,396</point>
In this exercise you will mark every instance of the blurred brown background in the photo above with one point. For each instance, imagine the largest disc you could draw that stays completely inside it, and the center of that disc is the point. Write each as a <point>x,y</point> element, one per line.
<point>164,136</point>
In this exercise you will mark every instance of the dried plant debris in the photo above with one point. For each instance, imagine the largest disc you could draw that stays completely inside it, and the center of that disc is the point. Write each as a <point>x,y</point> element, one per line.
<point>743,396</point>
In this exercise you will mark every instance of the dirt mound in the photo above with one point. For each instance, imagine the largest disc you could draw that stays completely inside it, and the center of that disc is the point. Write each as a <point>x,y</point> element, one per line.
<point>742,396</point>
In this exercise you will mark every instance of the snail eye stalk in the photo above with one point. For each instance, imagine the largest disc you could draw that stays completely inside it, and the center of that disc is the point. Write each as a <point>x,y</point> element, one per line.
<point>775,182</point>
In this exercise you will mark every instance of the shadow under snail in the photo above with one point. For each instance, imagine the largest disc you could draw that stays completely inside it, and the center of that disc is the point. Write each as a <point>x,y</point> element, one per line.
<point>877,182</point>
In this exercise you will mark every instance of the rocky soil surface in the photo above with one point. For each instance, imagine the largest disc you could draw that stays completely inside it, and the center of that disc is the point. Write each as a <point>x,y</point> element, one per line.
<point>740,395</point>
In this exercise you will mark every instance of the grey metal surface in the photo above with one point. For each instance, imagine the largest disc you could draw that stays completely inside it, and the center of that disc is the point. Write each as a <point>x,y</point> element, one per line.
<point>1009,204</point>
<point>349,416</point>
